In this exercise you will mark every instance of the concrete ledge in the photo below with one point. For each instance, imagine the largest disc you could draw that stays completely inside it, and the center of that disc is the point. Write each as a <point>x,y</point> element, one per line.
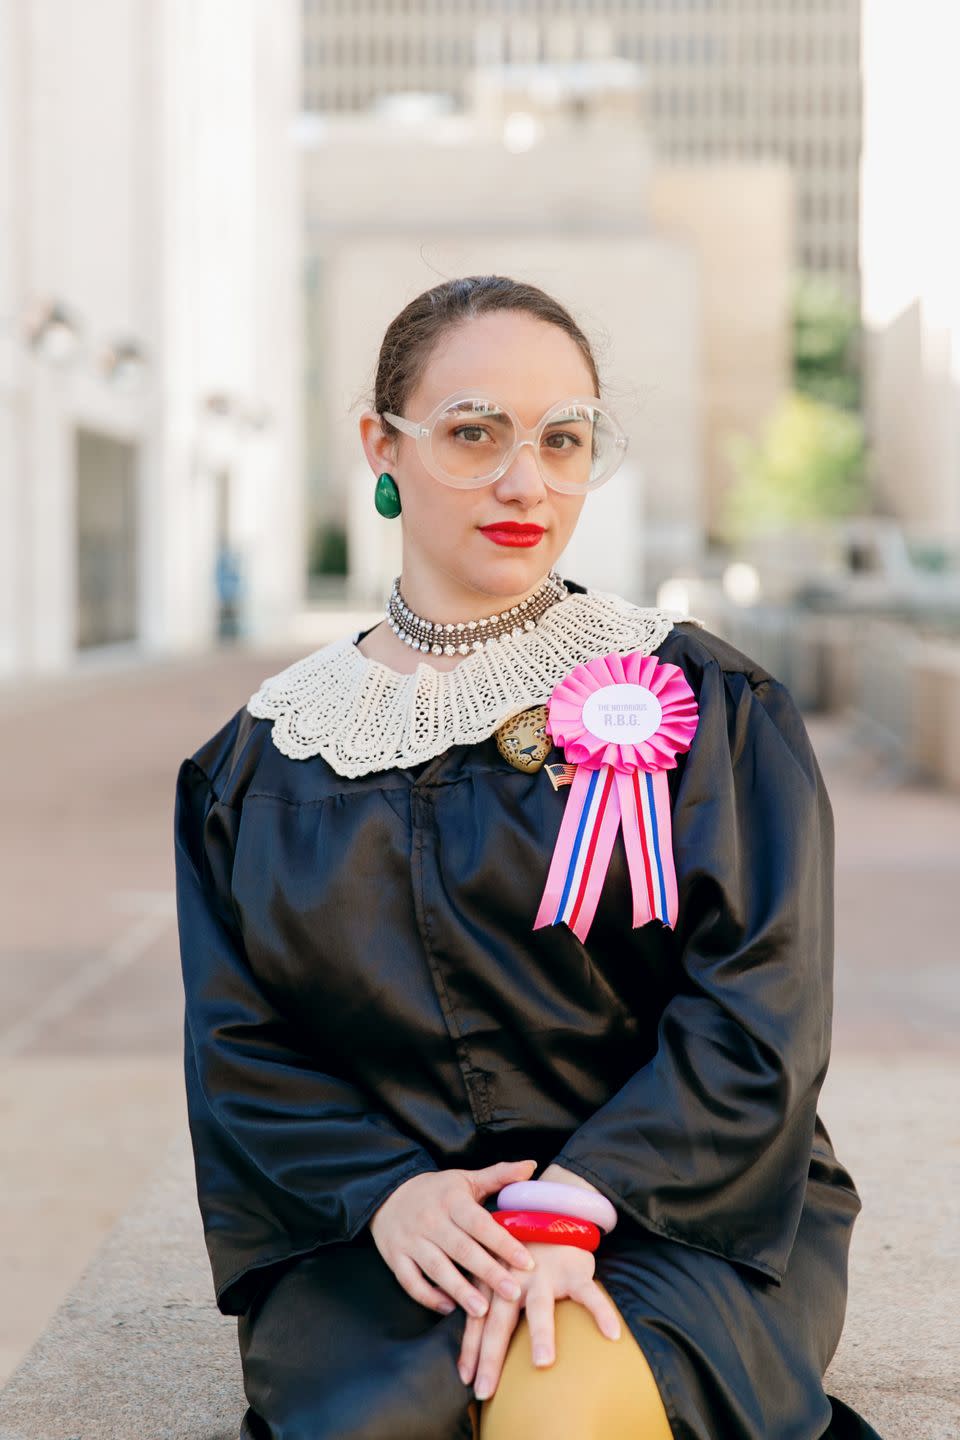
<point>138,1351</point>
<point>893,1122</point>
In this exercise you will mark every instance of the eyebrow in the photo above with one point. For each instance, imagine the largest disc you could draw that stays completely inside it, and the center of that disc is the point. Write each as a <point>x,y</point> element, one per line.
<point>461,406</point>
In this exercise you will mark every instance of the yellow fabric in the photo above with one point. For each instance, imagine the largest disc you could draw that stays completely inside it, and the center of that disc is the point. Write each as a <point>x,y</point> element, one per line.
<point>596,1389</point>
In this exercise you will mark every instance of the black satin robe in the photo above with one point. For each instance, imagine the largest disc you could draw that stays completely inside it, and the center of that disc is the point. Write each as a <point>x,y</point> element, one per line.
<point>366,998</point>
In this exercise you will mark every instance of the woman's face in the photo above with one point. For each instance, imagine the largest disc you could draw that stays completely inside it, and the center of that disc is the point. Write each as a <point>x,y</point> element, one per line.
<point>529,365</point>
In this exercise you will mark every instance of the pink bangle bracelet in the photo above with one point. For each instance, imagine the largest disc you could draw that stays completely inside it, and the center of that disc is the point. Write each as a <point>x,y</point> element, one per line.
<point>564,1199</point>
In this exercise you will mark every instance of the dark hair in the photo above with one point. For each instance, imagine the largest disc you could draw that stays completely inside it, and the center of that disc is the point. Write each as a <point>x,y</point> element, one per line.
<point>412,335</point>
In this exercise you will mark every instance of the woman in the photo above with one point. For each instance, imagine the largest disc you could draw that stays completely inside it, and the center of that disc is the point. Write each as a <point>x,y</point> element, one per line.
<point>383,1032</point>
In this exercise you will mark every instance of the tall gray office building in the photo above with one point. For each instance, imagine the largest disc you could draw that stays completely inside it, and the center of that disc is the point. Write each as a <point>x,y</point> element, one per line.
<point>725,79</point>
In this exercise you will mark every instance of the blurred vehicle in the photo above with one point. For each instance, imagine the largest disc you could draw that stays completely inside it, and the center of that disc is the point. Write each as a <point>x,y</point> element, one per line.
<point>867,563</point>
<point>861,565</point>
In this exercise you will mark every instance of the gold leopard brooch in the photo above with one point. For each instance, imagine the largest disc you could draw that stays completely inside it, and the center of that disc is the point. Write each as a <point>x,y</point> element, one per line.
<point>523,740</point>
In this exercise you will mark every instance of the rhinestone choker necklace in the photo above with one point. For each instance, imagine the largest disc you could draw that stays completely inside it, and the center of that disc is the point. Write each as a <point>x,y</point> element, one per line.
<point>459,637</point>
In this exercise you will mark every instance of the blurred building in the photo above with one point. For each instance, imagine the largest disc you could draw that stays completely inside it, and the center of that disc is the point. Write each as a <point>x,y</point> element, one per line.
<point>150,475</point>
<point>680,274</point>
<point>727,80</point>
<point>911,262</point>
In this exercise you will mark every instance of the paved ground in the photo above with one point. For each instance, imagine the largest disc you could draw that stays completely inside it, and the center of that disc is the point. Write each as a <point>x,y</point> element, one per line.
<point>90,1083</point>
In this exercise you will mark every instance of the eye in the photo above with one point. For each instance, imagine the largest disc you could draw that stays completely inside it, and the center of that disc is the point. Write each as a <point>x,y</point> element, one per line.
<point>474,430</point>
<point>575,440</point>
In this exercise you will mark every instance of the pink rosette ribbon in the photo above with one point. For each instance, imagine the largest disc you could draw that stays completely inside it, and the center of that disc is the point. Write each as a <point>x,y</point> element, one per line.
<point>622,720</point>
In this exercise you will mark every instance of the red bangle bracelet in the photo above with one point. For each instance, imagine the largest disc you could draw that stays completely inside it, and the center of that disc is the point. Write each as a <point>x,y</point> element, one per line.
<point>549,1226</point>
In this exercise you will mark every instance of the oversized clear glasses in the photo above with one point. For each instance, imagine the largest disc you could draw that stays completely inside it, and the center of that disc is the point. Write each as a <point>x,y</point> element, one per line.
<point>471,438</point>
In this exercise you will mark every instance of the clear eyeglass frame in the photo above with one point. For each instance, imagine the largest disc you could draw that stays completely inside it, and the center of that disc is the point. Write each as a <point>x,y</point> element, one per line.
<point>421,430</point>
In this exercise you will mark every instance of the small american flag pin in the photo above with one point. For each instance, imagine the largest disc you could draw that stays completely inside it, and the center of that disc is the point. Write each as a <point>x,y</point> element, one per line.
<point>560,774</point>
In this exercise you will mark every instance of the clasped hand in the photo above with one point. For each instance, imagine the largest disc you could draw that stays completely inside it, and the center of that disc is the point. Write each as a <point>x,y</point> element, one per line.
<point>561,1271</point>
<point>435,1222</point>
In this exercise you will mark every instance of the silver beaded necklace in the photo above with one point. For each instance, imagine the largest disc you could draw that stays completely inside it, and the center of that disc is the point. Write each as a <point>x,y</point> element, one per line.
<point>459,637</point>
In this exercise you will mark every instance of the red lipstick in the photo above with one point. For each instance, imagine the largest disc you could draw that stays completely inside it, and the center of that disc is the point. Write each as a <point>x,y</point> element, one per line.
<point>511,532</point>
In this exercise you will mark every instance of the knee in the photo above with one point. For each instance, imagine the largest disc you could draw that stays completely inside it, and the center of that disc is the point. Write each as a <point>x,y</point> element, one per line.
<point>339,1351</point>
<point>596,1389</point>
<point>379,1406</point>
<point>342,1416</point>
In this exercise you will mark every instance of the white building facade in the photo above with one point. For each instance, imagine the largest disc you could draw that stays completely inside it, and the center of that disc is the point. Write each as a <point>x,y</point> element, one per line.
<point>726,81</point>
<point>149,314</point>
<point>911,270</point>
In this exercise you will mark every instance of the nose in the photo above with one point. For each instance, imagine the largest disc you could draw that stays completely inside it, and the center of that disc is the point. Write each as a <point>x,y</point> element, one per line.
<point>522,479</point>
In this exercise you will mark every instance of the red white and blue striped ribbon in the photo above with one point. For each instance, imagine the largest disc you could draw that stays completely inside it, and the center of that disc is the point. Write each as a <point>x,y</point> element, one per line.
<point>647,835</point>
<point>598,800</point>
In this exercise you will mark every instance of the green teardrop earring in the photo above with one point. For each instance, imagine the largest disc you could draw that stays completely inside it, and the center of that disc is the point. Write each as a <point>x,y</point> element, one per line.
<point>386,497</point>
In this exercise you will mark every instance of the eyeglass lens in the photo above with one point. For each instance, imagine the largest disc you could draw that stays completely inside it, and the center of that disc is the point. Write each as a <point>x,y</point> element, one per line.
<point>578,446</point>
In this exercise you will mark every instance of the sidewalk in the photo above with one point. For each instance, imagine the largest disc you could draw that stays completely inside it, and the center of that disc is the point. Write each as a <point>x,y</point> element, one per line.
<point>90,992</point>
<point>90,996</point>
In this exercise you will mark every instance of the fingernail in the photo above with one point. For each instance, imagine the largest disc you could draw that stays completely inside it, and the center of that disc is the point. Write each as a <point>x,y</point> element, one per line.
<point>526,1262</point>
<point>446,1306</point>
<point>482,1388</point>
<point>613,1334</point>
<point>541,1356</point>
<point>510,1289</point>
<point>464,1373</point>
<point>478,1307</point>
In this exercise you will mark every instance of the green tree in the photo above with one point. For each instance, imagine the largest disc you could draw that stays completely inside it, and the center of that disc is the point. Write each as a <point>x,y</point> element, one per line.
<point>807,465</point>
<point>826,342</point>
<point>328,549</point>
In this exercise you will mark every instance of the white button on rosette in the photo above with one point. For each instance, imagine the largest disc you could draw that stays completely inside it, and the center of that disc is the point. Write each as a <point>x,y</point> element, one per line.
<point>622,713</point>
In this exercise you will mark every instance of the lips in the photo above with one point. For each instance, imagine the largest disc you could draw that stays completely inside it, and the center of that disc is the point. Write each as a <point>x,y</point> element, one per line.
<point>510,532</point>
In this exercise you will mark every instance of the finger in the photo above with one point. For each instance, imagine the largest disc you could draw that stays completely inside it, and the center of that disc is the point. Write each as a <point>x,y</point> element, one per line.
<point>495,1177</point>
<point>541,1322</point>
<point>435,1263</point>
<point>498,1327</point>
<point>474,1220</point>
<point>470,1349</point>
<point>601,1307</point>
<point>410,1277</point>
<point>470,1345</point>
<point>466,1251</point>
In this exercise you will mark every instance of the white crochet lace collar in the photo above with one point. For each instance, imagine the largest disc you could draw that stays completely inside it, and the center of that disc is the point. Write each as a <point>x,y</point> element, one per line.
<point>362,715</point>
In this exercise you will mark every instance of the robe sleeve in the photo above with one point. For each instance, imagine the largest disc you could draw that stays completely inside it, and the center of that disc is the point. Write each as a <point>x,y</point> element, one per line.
<point>709,1142</point>
<point>287,1157</point>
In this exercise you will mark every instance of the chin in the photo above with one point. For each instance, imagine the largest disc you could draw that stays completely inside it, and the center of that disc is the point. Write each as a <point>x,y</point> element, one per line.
<point>511,572</point>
